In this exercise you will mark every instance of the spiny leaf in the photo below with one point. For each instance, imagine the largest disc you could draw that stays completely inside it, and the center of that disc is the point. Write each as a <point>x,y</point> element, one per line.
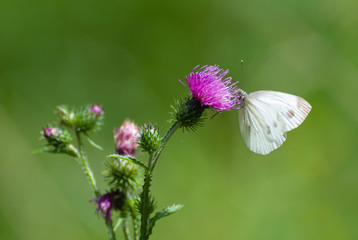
<point>165,212</point>
<point>129,159</point>
<point>52,149</point>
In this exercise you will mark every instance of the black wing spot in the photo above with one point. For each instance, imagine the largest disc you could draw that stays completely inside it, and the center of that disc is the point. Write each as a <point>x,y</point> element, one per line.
<point>291,113</point>
<point>268,130</point>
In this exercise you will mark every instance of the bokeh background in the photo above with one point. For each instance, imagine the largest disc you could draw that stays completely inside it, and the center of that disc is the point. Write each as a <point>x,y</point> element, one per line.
<point>128,56</point>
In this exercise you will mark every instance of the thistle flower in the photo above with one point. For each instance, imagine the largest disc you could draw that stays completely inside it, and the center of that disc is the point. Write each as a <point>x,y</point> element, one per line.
<point>208,86</point>
<point>113,200</point>
<point>125,138</point>
<point>149,140</point>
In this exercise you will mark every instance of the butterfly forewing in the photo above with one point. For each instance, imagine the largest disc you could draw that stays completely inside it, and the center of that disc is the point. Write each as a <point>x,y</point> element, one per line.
<point>266,117</point>
<point>262,128</point>
<point>293,109</point>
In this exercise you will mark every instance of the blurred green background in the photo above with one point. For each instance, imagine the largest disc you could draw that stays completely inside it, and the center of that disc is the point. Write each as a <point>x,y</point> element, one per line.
<point>128,56</point>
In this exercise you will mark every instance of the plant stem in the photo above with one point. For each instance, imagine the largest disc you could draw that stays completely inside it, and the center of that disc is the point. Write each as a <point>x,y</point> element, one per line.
<point>135,221</point>
<point>85,166</point>
<point>126,230</point>
<point>111,234</point>
<point>165,140</point>
<point>145,195</point>
<point>145,201</point>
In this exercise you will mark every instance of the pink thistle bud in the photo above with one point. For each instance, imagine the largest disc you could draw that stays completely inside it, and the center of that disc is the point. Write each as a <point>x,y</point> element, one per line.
<point>49,132</point>
<point>96,109</point>
<point>125,138</point>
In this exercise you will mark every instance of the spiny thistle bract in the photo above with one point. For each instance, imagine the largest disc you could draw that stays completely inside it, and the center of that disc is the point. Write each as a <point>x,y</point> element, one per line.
<point>188,113</point>
<point>56,137</point>
<point>83,119</point>
<point>123,175</point>
<point>150,139</point>
<point>58,141</point>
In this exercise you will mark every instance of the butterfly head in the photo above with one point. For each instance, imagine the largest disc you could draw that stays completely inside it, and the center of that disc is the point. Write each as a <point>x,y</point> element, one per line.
<point>240,99</point>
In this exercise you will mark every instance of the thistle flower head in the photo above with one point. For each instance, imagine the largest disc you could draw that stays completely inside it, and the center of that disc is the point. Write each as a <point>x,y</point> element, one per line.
<point>113,200</point>
<point>125,138</point>
<point>208,86</point>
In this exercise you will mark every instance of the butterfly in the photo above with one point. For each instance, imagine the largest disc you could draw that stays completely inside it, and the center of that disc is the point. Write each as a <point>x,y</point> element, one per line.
<point>265,117</point>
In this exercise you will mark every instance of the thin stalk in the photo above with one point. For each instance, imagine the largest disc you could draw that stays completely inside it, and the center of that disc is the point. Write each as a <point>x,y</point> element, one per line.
<point>145,201</point>
<point>126,230</point>
<point>135,222</point>
<point>111,234</point>
<point>85,166</point>
<point>145,214</point>
<point>165,140</point>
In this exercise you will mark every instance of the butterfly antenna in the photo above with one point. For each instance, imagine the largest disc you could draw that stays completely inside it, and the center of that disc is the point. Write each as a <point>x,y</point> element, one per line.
<point>242,70</point>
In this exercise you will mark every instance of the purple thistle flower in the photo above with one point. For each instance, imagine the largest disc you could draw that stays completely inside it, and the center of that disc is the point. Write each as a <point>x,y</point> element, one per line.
<point>125,138</point>
<point>96,109</point>
<point>208,86</point>
<point>109,201</point>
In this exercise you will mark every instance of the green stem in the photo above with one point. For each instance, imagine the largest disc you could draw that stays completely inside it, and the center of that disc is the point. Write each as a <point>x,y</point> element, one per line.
<point>86,168</point>
<point>135,222</point>
<point>145,201</point>
<point>165,140</point>
<point>145,214</point>
<point>126,230</point>
<point>111,234</point>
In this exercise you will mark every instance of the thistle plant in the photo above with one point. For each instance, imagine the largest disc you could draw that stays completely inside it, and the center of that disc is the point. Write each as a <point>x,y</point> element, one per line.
<point>128,201</point>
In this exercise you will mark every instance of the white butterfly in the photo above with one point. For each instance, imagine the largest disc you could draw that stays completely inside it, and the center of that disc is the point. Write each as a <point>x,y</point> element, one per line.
<point>266,116</point>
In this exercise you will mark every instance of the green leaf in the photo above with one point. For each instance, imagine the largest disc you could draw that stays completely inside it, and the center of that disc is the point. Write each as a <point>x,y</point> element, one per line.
<point>129,159</point>
<point>52,149</point>
<point>93,143</point>
<point>165,212</point>
<point>119,222</point>
<point>48,149</point>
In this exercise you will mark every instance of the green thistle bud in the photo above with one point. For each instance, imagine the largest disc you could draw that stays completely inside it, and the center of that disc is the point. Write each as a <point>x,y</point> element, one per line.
<point>149,140</point>
<point>56,137</point>
<point>82,120</point>
<point>123,175</point>
<point>189,114</point>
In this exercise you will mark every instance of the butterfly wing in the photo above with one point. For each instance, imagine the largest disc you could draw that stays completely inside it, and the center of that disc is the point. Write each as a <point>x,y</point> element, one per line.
<point>267,116</point>
<point>292,109</point>
<point>262,127</point>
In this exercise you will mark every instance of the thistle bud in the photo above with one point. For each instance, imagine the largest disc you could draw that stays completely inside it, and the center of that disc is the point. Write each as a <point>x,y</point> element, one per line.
<point>96,109</point>
<point>56,137</point>
<point>82,120</point>
<point>123,175</point>
<point>125,139</point>
<point>150,140</point>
